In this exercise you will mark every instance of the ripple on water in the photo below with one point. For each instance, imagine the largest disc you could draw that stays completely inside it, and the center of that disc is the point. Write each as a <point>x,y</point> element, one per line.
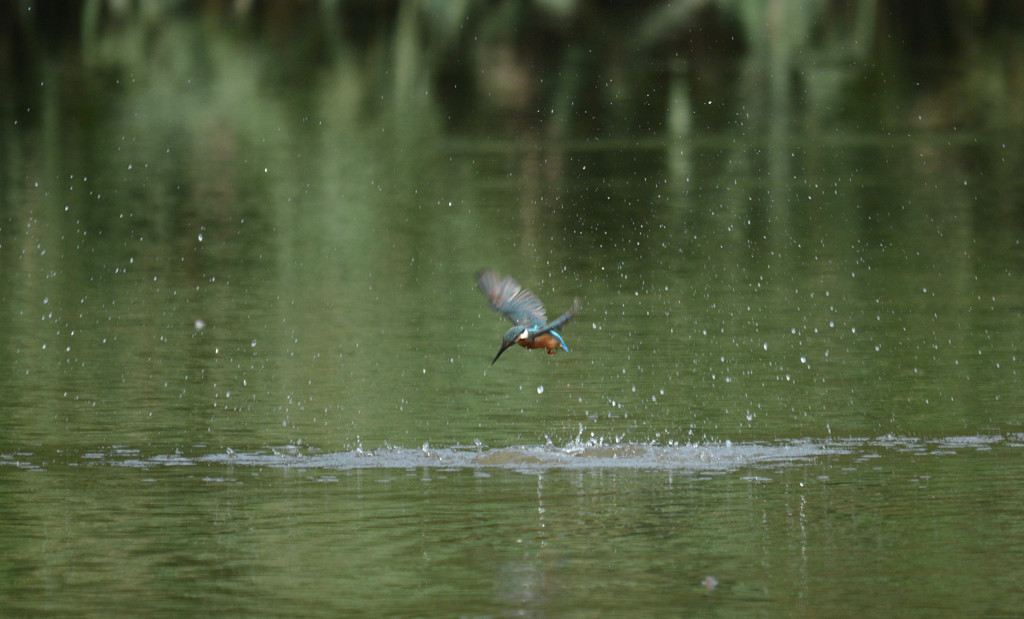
<point>696,458</point>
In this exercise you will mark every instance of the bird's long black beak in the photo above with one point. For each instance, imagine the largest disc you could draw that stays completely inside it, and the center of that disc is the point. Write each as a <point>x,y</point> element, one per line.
<point>504,347</point>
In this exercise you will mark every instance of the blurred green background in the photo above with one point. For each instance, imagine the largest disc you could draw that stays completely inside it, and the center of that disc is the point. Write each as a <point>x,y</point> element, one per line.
<point>266,217</point>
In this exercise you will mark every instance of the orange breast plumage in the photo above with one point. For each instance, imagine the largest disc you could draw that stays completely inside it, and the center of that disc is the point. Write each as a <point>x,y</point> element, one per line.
<point>544,340</point>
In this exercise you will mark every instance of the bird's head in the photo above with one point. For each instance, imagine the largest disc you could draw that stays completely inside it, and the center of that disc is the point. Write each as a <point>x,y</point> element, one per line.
<point>511,336</point>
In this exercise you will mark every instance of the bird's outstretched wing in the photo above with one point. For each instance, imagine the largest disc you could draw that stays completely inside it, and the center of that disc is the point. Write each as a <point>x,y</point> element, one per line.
<point>509,298</point>
<point>561,320</point>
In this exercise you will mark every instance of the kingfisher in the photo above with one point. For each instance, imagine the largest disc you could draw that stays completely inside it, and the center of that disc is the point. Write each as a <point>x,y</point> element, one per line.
<point>524,309</point>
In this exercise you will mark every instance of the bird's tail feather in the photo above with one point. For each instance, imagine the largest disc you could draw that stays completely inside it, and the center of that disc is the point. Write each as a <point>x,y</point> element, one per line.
<point>561,320</point>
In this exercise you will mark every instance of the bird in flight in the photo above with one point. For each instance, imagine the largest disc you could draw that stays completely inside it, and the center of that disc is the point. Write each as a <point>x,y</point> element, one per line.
<point>524,309</point>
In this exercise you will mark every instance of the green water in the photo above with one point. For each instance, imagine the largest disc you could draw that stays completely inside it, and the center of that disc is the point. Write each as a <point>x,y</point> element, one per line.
<point>936,531</point>
<point>245,363</point>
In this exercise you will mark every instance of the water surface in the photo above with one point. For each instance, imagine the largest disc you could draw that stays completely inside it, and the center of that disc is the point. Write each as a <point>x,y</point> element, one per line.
<point>245,364</point>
